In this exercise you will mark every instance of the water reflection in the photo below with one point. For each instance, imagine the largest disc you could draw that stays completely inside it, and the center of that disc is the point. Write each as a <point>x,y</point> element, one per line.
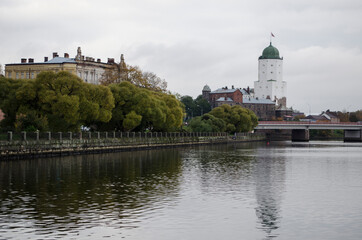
<point>63,194</point>
<point>269,174</point>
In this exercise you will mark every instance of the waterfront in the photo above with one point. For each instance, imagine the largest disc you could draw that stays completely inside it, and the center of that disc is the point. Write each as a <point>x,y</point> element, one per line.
<point>279,190</point>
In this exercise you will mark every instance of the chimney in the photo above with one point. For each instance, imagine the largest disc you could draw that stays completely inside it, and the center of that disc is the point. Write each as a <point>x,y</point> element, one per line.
<point>55,54</point>
<point>66,55</point>
<point>110,60</point>
<point>232,86</point>
<point>82,58</point>
<point>31,60</point>
<point>98,60</point>
<point>23,60</point>
<point>45,59</point>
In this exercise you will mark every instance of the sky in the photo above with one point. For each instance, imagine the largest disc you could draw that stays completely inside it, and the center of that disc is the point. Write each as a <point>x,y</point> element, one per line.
<point>190,43</point>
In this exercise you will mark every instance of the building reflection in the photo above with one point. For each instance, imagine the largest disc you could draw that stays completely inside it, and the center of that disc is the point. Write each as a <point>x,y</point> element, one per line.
<point>269,176</point>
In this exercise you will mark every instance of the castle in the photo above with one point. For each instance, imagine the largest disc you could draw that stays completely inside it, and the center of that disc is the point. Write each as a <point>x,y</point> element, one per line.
<point>268,97</point>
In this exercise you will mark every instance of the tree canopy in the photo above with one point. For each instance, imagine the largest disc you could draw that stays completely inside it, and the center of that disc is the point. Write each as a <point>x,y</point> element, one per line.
<point>139,109</point>
<point>133,74</point>
<point>225,118</point>
<point>55,101</point>
<point>196,107</point>
<point>63,102</point>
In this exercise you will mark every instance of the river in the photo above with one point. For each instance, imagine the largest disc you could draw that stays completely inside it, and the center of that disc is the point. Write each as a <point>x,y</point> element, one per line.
<point>281,190</point>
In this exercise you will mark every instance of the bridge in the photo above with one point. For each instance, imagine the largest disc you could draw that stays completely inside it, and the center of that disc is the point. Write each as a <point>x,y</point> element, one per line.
<point>300,130</point>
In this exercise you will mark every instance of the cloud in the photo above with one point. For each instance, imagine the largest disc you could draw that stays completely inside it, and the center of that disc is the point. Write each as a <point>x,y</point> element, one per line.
<point>192,43</point>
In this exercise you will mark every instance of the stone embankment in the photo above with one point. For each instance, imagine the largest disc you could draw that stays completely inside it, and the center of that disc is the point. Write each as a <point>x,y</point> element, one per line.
<point>32,145</point>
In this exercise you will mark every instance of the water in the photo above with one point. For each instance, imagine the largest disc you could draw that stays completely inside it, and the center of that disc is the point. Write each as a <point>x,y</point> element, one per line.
<point>243,191</point>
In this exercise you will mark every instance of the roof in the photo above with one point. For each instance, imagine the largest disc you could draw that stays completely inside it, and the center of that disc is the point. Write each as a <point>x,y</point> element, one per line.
<point>223,90</point>
<point>258,101</point>
<point>61,60</point>
<point>223,99</point>
<point>270,52</point>
<point>56,60</point>
<point>206,88</point>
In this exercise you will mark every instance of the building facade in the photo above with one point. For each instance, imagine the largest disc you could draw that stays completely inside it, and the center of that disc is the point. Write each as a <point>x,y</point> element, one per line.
<point>86,68</point>
<point>270,82</point>
<point>268,97</point>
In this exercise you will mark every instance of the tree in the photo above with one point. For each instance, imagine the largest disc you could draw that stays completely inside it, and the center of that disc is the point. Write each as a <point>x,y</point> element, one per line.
<point>8,101</point>
<point>202,105</point>
<point>65,101</point>
<point>196,107</point>
<point>139,109</point>
<point>237,118</point>
<point>207,123</point>
<point>133,74</point>
<point>190,106</point>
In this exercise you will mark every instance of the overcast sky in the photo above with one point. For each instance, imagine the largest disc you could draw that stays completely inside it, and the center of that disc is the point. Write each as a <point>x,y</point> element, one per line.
<point>191,43</point>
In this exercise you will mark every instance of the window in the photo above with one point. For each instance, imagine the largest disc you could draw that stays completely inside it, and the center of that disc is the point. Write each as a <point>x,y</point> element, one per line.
<point>22,75</point>
<point>17,75</point>
<point>27,75</point>
<point>32,75</point>
<point>9,74</point>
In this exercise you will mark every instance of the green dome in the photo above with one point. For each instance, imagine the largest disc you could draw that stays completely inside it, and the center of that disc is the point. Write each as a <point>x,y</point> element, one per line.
<point>270,52</point>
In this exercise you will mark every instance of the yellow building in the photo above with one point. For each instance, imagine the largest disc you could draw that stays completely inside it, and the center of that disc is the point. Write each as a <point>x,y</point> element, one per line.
<point>86,68</point>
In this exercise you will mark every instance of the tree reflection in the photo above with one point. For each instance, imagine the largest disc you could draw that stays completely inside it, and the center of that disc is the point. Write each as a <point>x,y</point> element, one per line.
<point>78,189</point>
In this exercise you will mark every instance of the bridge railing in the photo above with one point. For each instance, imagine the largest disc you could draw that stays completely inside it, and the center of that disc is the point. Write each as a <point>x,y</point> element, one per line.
<point>309,123</point>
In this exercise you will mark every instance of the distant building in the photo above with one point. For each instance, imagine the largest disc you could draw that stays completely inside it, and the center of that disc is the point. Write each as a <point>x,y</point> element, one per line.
<point>270,82</point>
<point>268,97</point>
<point>263,108</point>
<point>326,116</point>
<point>86,68</point>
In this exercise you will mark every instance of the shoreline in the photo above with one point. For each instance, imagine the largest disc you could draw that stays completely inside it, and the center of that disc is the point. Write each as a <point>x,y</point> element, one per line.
<point>48,149</point>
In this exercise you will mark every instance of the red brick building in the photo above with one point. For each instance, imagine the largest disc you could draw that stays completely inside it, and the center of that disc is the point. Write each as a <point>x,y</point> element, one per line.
<point>263,108</point>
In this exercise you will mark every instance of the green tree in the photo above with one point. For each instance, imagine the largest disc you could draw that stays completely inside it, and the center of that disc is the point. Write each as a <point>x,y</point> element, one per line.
<point>8,101</point>
<point>237,118</point>
<point>159,111</point>
<point>207,123</point>
<point>202,105</point>
<point>65,101</point>
<point>190,106</point>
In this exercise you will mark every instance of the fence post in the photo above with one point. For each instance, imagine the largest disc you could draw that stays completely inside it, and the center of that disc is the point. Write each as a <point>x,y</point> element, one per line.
<point>10,136</point>
<point>37,135</point>
<point>49,136</point>
<point>70,135</point>
<point>98,135</point>
<point>106,135</point>
<point>114,134</point>
<point>23,136</point>
<point>60,136</point>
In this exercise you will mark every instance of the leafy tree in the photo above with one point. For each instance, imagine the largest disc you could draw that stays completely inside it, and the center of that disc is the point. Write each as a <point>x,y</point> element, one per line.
<point>65,101</point>
<point>202,105</point>
<point>207,123</point>
<point>237,118</point>
<point>190,106</point>
<point>8,101</point>
<point>158,111</point>
<point>196,107</point>
<point>133,74</point>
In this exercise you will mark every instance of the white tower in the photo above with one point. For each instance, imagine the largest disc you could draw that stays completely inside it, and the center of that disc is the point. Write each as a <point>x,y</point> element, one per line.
<point>270,82</point>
